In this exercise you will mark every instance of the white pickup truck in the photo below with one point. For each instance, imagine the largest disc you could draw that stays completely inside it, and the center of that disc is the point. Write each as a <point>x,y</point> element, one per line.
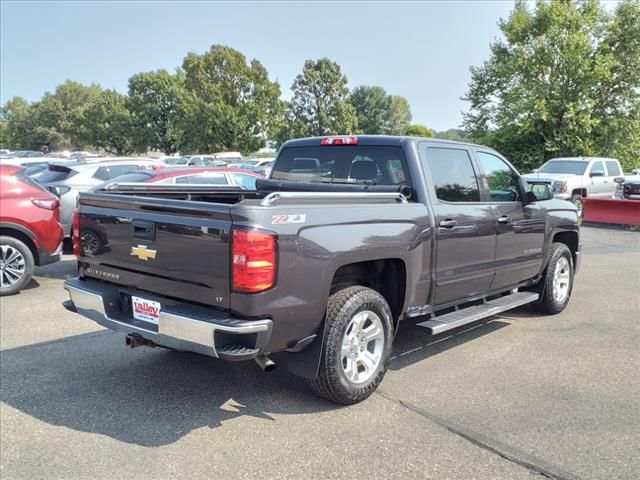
<point>573,178</point>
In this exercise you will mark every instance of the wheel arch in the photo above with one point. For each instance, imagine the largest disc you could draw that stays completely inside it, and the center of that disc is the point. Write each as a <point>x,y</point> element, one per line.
<point>24,235</point>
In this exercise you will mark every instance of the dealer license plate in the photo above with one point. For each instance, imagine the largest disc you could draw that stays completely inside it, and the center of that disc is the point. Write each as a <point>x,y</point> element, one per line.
<point>145,310</point>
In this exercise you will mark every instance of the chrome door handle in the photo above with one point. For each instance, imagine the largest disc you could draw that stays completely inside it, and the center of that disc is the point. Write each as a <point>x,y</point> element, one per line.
<point>504,219</point>
<point>448,223</point>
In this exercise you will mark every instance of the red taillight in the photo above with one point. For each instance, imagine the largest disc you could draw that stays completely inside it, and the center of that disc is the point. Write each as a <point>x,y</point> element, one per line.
<point>76,233</point>
<point>46,203</point>
<point>253,260</point>
<point>339,141</point>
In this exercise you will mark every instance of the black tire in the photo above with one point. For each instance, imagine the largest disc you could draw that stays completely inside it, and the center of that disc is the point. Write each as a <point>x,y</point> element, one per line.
<point>332,382</point>
<point>9,284</point>
<point>549,302</point>
<point>576,199</point>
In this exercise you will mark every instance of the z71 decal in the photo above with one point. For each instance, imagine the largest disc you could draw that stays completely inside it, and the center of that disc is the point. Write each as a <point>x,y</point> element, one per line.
<point>288,219</point>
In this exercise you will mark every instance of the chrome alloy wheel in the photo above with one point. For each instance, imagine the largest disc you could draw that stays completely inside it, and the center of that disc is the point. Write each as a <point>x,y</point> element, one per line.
<point>580,206</point>
<point>561,279</point>
<point>362,347</point>
<point>12,266</point>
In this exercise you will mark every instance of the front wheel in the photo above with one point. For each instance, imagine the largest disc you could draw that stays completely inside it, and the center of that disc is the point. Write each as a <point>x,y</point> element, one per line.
<point>577,201</point>
<point>357,347</point>
<point>16,265</point>
<point>557,282</point>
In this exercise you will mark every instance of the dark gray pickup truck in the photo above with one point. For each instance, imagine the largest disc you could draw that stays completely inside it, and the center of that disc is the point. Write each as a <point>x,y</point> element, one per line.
<point>347,238</point>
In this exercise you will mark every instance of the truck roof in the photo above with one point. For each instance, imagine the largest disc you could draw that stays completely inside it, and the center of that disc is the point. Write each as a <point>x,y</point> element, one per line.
<point>381,140</point>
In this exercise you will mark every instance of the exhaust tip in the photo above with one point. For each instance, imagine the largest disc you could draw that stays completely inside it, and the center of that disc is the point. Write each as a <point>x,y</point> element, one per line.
<point>265,363</point>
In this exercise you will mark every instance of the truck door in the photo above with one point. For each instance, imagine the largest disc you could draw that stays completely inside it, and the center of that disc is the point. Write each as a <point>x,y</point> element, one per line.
<point>520,228</point>
<point>466,229</point>
<point>599,184</point>
<point>613,171</point>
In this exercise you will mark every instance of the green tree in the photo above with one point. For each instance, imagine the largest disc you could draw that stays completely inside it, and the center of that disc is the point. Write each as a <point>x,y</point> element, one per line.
<point>419,131</point>
<point>372,106</point>
<point>108,124</point>
<point>320,104</point>
<point>154,99</point>
<point>22,131</point>
<point>380,113</point>
<point>565,80</point>
<point>399,117</point>
<point>453,134</point>
<point>60,111</point>
<point>227,104</point>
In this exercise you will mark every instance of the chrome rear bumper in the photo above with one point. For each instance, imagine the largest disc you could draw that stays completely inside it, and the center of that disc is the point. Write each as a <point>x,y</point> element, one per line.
<point>180,326</point>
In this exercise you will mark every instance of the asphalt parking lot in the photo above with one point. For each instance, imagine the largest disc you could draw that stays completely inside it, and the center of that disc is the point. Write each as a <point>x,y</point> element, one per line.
<point>518,396</point>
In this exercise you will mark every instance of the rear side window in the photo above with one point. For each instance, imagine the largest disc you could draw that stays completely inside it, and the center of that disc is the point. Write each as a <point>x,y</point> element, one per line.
<point>366,165</point>
<point>453,175</point>
<point>613,168</point>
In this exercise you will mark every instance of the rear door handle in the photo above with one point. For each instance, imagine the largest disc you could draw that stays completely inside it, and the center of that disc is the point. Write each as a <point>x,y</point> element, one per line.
<point>504,219</point>
<point>448,223</point>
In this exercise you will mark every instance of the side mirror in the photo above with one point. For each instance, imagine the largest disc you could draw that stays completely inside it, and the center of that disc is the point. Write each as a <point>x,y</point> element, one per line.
<point>538,192</point>
<point>597,173</point>
<point>535,170</point>
<point>619,179</point>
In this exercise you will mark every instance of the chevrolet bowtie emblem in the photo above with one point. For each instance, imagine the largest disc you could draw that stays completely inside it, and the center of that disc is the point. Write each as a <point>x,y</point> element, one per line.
<point>143,253</point>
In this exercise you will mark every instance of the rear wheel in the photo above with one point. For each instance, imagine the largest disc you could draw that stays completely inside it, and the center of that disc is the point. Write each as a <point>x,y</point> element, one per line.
<point>557,282</point>
<point>16,265</point>
<point>357,346</point>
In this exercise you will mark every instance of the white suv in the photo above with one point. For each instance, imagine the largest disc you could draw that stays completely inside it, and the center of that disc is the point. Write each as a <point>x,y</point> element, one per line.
<point>576,177</point>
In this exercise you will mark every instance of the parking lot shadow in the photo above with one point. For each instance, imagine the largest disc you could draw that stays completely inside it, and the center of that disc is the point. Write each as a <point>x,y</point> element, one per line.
<point>412,344</point>
<point>65,268</point>
<point>148,397</point>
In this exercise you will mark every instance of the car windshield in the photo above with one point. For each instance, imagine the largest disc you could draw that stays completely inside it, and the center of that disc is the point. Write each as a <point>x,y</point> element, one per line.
<point>369,165</point>
<point>564,166</point>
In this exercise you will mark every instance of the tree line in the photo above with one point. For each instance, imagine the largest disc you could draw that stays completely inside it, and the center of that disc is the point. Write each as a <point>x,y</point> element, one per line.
<point>215,101</point>
<point>563,81</point>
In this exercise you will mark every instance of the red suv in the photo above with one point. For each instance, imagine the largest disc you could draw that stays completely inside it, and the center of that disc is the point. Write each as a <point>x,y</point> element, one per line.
<point>29,230</point>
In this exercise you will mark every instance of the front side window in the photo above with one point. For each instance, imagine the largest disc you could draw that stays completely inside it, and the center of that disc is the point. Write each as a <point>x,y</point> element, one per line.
<point>504,183</point>
<point>453,175</point>
<point>597,167</point>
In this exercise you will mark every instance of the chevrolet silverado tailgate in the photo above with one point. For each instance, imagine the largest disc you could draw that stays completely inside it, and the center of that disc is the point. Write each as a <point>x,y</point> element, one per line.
<point>170,247</point>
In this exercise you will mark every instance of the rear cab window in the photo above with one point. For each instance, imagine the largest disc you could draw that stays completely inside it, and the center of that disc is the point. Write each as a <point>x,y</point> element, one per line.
<point>342,164</point>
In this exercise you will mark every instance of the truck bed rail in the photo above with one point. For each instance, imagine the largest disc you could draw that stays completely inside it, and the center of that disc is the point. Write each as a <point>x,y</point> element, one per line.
<point>275,197</point>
